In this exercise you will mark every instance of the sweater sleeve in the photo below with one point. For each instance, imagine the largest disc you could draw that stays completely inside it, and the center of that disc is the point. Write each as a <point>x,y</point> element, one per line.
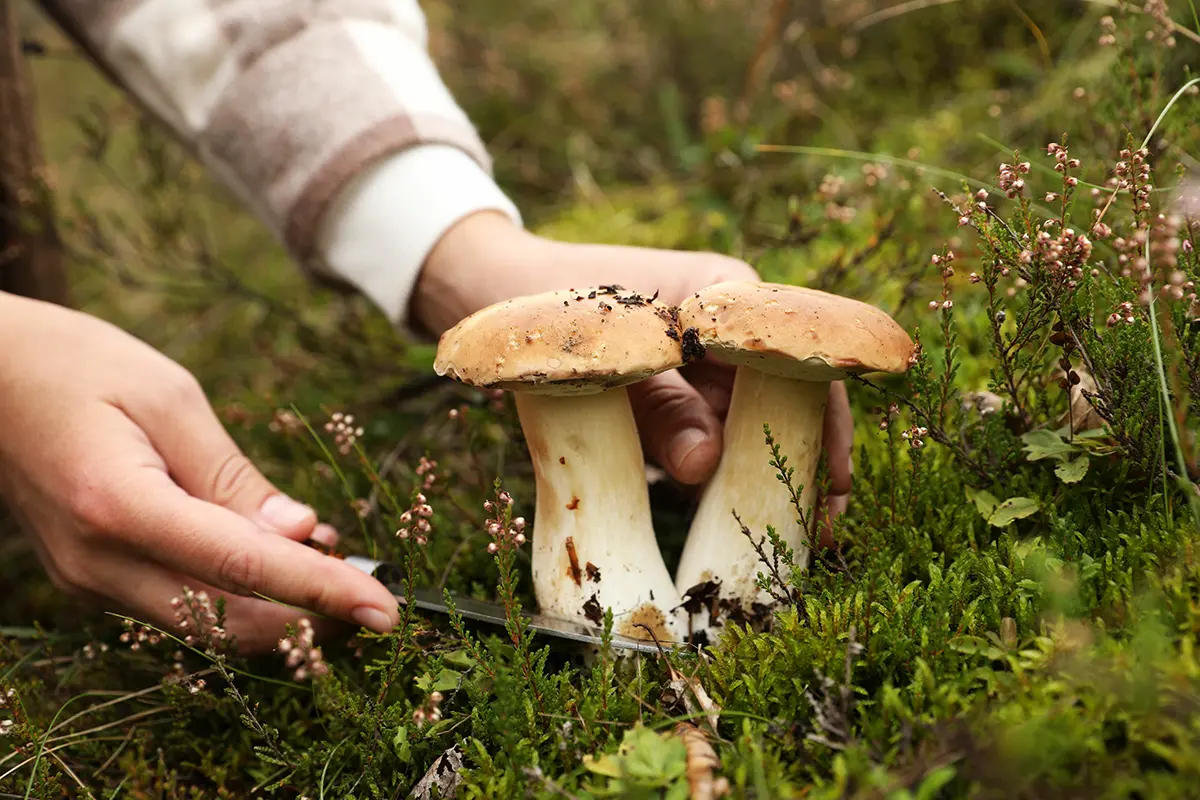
<point>327,118</point>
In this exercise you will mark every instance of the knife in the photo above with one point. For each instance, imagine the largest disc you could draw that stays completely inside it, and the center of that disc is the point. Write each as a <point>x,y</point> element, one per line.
<point>392,576</point>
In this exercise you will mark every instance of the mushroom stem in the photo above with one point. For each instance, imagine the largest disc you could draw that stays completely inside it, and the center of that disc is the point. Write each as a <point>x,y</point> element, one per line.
<point>592,534</point>
<point>745,482</point>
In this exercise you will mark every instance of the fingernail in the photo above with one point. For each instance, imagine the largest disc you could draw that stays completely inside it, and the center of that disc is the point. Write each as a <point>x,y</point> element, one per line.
<point>324,535</point>
<point>838,504</point>
<point>283,513</point>
<point>372,618</point>
<point>684,444</point>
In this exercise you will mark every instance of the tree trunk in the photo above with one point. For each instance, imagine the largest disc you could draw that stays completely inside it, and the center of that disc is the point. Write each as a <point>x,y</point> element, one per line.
<point>31,262</point>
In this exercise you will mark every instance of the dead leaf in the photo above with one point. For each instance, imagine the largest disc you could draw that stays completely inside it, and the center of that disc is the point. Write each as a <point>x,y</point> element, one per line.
<point>1082,416</point>
<point>684,688</point>
<point>701,761</point>
<point>444,775</point>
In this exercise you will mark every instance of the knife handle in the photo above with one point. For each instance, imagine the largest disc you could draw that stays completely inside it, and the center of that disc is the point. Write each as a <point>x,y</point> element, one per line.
<point>386,573</point>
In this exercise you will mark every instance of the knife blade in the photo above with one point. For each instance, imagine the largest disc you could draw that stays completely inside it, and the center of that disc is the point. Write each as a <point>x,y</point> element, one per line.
<point>392,576</point>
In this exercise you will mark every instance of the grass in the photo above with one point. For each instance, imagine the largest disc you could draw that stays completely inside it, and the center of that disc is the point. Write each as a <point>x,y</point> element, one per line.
<point>1013,612</point>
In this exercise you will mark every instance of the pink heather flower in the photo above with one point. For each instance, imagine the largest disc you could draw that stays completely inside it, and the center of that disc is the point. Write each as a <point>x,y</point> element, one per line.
<point>345,434</point>
<point>303,658</point>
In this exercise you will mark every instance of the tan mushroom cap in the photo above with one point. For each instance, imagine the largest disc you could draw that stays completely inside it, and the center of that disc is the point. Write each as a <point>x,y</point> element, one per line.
<point>576,341</point>
<point>795,332</point>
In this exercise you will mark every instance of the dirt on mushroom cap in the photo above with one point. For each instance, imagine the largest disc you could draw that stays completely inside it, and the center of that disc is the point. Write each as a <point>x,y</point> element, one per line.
<point>795,332</point>
<point>573,341</point>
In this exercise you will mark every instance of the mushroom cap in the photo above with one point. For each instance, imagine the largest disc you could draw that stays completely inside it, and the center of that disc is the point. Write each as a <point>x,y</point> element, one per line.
<point>563,342</point>
<point>795,332</point>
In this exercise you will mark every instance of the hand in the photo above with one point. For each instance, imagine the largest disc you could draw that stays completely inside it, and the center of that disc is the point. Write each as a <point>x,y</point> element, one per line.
<point>485,259</point>
<point>115,463</point>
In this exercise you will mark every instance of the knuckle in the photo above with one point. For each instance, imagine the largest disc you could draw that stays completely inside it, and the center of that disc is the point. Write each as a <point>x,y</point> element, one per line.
<point>719,268</point>
<point>97,505</point>
<point>183,385</point>
<point>234,473</point>
<point>240,571</point>
<point>320,593</point>
<point>70,574</point>
<point>177,389</point>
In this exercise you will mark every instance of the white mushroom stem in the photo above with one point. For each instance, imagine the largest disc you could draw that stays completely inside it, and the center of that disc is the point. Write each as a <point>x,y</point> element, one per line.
<point>592,532</point>
<point>745,482</point>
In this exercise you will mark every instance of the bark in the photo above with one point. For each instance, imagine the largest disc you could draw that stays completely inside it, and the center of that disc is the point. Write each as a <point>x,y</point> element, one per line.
<point>31,260</point>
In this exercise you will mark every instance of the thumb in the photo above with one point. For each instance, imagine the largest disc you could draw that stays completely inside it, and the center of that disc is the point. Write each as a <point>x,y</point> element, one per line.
<point>679,428</point>
<point>206,462</point>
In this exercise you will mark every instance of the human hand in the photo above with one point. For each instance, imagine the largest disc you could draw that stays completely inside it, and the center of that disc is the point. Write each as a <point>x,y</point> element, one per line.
<point>486,259</point>
<point>114,462</point>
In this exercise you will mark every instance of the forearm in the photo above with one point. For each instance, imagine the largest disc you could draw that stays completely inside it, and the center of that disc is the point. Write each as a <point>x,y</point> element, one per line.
<point>329,120</point>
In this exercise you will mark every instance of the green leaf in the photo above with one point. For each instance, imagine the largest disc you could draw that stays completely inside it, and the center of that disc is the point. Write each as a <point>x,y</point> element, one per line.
<point>401,746</point>
<point>934,782</point>
<point>983,500</point>
<point>1044,443</point>
<point>459,658</point>
<point>606,765</point>
<point>1012,509</point>
<point>1072,471</point>
<point>447,679</point>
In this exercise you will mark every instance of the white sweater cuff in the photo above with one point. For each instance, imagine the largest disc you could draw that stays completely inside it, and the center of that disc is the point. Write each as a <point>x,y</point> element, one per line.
<point>378,232</point>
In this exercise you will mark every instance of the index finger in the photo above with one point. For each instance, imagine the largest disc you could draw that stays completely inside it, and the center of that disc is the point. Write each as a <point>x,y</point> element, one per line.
<point>228,551</point>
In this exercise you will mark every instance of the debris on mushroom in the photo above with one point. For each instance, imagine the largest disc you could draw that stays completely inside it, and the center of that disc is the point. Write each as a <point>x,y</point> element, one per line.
<point>788,344</point>
<point>568,357</point>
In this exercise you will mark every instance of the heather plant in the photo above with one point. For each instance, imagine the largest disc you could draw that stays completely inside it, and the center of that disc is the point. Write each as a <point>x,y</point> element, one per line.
<point>1010,608</point>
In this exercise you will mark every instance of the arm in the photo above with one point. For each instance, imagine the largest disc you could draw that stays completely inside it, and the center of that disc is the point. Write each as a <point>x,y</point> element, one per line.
<point>332,125</point>
<point>331,122</point>
<point>327,119</point>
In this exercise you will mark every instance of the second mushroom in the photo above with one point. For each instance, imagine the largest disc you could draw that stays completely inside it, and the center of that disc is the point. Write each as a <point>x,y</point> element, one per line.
<point>788,344</point>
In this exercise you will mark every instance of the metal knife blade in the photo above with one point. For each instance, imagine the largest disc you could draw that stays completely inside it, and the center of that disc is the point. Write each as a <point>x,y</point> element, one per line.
<point>391,576</point>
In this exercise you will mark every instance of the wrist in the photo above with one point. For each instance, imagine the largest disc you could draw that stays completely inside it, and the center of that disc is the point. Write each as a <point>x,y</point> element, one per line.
<point>482,259</point>
<point>382,229</point>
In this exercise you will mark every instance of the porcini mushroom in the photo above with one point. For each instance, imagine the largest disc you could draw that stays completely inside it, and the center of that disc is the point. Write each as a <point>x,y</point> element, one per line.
<point>787,344</point>
<point>568,357</point>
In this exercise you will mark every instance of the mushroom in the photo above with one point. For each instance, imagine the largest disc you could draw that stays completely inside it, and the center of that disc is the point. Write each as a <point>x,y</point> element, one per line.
<point>568,357</point>
<point>787,344</point>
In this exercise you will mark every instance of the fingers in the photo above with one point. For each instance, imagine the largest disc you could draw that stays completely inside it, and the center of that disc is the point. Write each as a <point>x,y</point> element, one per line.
<point>325,535</point>
<point>226,551</point>
<point>838,437</point>
<point>714,381</point>
<point>205,461</point>
<point>144,590</point>
<point>679,429</point>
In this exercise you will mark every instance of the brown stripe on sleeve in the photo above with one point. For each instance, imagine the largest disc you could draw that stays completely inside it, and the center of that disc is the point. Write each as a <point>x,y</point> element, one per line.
<point>308,115</point>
